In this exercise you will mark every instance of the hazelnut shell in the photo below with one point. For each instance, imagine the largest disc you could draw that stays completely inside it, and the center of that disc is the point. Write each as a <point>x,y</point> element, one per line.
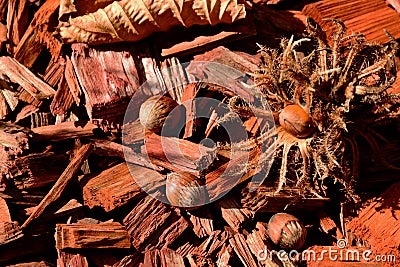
<point>154,112</point>
<point>185,190</point>
<point>286,231</point>
<point>295,120</point>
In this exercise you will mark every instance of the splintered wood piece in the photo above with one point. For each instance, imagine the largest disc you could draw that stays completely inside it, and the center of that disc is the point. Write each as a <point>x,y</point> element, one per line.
<point>103,235</point>
<point>108,80</point>
<point>224,256</point>
<point>185,155</point>
<point>62,182</point>
<point>258,243</point>
<point>242,250</point>
<point>163,258</point>
<point>112,149</point>
<point>9,231</point>
<point>18,73</point>
<point>234,214</point>
<point>120,185</point>
<point>174,77</point>
<point>9,101</point>
<point>3,36</point>
<point>69,208</point>
<point>72,81</point>
<point>265,199</point>
<point>130,260</point>
<point>240,61</point>
<point>4,211</point>
<point>152,258</point>
<point>4,111</point>
<point>237,170</point>
<point>207,252</point>
<point>12,101</point>
<point>357,15</point>
<point>379,222</point>
<point>188,247</point>
<point>63,99</point>
<point>54,72</point>
<point>255,125</point>
<point>169,257</point>
<point>14,140</point>
<point>3,9</point>
<point>257,240</point>
<point>62,131</point>
<point>152,224</point>
<point>191,42</point>
<point>17,19</point>
<point>202,221</point>
<point>69,260</point>
<point>36,169</point>
<point>213,243</point>
<point>39,35</point>
<point>133,133</point>
<point>26,112</point>
<point>32,264</point>
<point>188,100</point>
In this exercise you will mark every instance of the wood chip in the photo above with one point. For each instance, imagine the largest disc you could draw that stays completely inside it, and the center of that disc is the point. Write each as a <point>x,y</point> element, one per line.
<point>120,185</point>
<point>182,154</point>
<point>107,86</point>
<point>62,182</point>
<point>65,130</point>
<point>152,224</point>
<point>18,73</point>
<point>357,17</point>
<point>103,235</point>
<point>236,216</point>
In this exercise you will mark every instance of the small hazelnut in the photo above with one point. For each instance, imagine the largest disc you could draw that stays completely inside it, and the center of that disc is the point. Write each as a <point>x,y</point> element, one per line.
<point>295,120</point>
<point>185,190</point>
<point>286,231</point>
<point>155,111</point>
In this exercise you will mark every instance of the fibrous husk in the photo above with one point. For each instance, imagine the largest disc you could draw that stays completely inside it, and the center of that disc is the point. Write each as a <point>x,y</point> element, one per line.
<point>132,20</point>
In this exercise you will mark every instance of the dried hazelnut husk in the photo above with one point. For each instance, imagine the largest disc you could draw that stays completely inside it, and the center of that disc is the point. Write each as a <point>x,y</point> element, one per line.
<point>185,190</point>
<point>154,112</point>
<point>286,231</point>
<point>296,121</point>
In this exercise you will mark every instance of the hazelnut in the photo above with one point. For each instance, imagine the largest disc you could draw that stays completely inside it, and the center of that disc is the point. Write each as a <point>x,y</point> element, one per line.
<point>286,231</point>
<point>295,120</point>
<point>155,111</point>
<point>185,190</point>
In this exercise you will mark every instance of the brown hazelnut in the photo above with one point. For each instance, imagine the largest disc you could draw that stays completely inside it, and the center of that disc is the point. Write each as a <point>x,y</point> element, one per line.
<point>295,120</point>
<point>185,190</point>
<point>286,231</point>
<point>154,113</point>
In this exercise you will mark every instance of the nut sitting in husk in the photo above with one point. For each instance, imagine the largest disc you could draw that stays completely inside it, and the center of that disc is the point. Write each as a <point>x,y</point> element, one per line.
<point>286,231</point>
<point>343,90</point>
<point>295,120</point>
<point>185,190</point>
<point>154,112</point>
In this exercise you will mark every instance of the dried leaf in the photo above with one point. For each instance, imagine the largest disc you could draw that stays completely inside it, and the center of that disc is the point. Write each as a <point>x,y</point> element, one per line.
<point>132,20</point>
